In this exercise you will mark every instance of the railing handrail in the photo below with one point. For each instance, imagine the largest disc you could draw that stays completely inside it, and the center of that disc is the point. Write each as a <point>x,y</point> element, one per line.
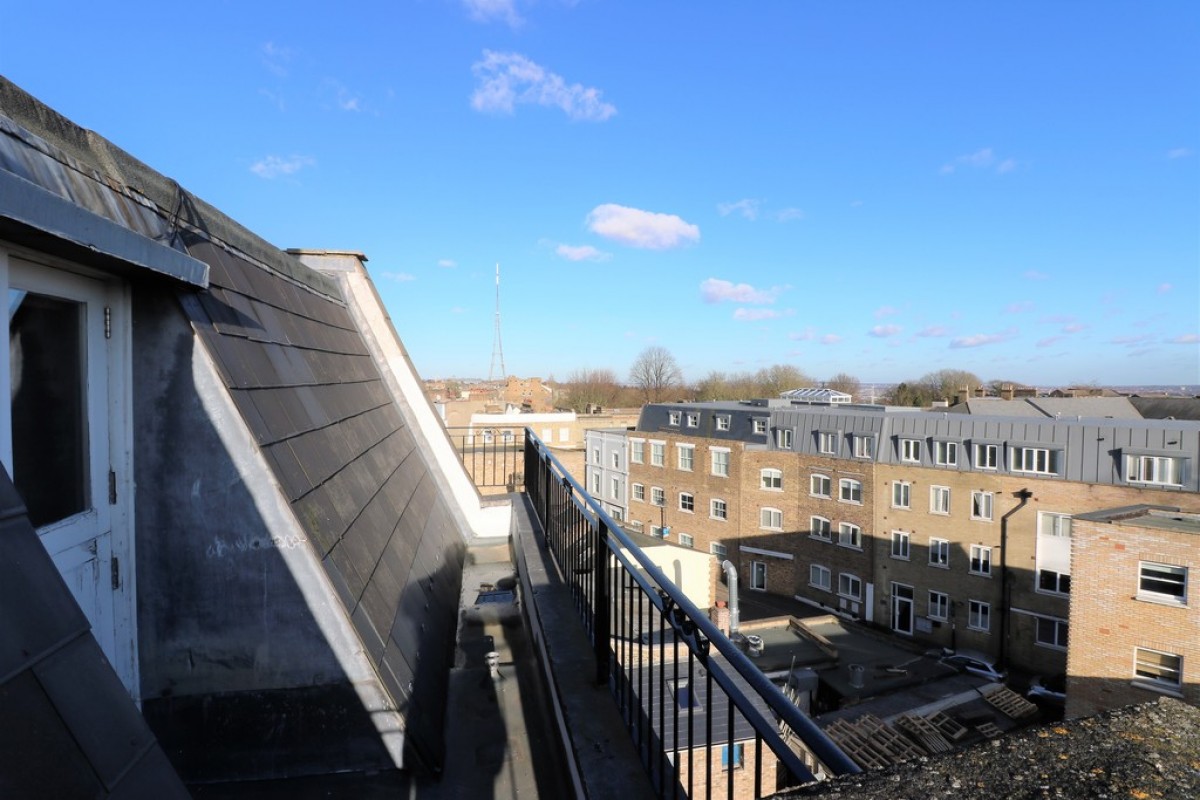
<point>815,739</point>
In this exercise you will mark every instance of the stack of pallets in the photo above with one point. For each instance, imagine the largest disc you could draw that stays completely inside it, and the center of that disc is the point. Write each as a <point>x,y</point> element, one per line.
<point>1010,703</point>
<point>925,733</point>
<point>872,743</point>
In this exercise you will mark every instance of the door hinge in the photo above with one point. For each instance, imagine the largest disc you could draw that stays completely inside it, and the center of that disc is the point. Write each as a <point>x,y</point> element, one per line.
<point>112,488</point>
<point>116,573</point>
<point>107,322</point>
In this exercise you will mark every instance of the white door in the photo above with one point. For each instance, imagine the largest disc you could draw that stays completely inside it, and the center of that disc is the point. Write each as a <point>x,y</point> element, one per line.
<point>902,608</point>
<point>65,416</point>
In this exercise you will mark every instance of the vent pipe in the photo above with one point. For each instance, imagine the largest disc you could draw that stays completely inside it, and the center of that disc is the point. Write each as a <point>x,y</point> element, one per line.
<point>731,578</point>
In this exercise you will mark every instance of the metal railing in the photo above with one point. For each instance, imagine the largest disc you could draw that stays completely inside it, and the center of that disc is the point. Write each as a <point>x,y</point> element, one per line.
<point>492,456</point>
<point>706,722</point>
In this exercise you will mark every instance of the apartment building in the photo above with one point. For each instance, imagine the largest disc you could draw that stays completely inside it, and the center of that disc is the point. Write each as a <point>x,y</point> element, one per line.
<point>950,529</point>
<point>606,470</point>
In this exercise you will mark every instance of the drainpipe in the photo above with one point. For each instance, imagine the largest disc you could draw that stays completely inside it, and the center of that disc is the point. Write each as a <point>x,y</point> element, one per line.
<point>732,579</point>
<point>1023,495</point>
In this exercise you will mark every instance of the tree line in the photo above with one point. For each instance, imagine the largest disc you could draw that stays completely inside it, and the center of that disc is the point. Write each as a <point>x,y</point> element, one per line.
<point>655,377</point>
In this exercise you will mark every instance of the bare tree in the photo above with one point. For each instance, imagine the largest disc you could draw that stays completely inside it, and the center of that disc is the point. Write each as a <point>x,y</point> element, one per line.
<point>779,378</point>
<point>655,373</point>
<point>590,387</point>
<point>843,382</point>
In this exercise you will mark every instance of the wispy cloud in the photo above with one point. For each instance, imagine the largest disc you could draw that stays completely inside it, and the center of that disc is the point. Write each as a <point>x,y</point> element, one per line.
<point>884,331</point>
<point>1179,152</point>
<point>981,339</point>
<point>338,96</point>
<point>886,311</point>
<point>715,290</point>
<point>507,79</point>
<point>1187,338</point>
<point>1049,340</point>
<point>984,158</point>
<point>447,263</point>
<point>275,166</point>
<point>275,58</point>
<point>806,335</point>
<point>830,338</point>
<point>398,277</point>
<point>1057,319</point>
<point>933,331</point>
<point>494,10</point>
<point>1019,308</point>
<point>1132,341</point>
<point>458,310</point>
<point>757,314</point>
<point>1034,275</point>
<point>789,214</point>
<point>584,252</point>
<point>1074,327</point>
<point>1164,288</point>
<point>746,207</point>
<point>646,229</point>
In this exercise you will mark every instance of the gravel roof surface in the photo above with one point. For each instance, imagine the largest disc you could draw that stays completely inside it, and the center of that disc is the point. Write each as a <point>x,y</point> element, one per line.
<point>1134,753</point>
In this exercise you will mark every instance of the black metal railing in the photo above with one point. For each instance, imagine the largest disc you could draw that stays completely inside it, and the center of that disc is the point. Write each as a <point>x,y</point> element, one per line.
<point>706,722</point>
<point>491,455</point>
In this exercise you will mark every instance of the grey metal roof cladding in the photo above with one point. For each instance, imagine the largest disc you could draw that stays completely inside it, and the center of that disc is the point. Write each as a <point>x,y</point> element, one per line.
<point>1054,407</point>
<point>1167,407</point>
<point>70,729</point>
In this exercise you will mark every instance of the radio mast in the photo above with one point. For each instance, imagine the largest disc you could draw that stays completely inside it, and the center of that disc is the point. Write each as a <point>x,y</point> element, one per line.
<point>497,346</point>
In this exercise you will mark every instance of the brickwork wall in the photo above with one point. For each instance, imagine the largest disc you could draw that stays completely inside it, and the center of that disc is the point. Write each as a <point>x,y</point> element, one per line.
<point>706,765</point>
<point>1108,620</point>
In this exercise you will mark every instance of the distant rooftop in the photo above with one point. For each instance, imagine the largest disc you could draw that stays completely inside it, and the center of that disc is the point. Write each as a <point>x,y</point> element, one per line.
<point>817,396</point>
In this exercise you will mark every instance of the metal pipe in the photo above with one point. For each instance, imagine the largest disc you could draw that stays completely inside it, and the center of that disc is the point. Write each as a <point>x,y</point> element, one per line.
<point>732,579</point>
<point>1023,495</point>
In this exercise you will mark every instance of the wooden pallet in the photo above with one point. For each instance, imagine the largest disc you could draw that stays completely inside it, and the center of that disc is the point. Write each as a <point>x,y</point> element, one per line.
<point>925,733</point>
<point>871,742</point>
<point>988,729</point>
<point>949,728</point>
<point>1010,703</point>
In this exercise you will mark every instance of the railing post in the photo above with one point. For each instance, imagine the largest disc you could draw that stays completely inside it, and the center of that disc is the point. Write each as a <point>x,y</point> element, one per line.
<point>602,639</point>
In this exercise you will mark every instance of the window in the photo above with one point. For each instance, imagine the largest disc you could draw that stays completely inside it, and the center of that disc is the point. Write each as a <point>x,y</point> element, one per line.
<point>819,577</point>
<point>939,605</point>
<point>657,496</point>
<point>718,510</point>
<point>687,457</point>
<point>979,616</point>
<point>616,460</point>
<point>672,417</point>
<point>849,535</point>
<point>637,451</point>
<point>910,450</point>
<point>939,499</point>
<point>1051,632</point>
<point>758,575</point>
<point>1158,670</point>
<point>1159,470</point>
<point>657,453</point>
<point>1034,459</point>
<point>901,494</point>
<point>686,540</point>
<point>658,532</point>
<point>618,514</point>
<point>820,528</point>
<point>1162,582</point>
<point>771,519</point>
<point>718,549</point>
<point>595,484</point>
<point>945,454</point>
<point>760,425</point>
<point>981,560</point>
<point>981,505</point>
<point>720,463</point>
<point>864,446</point>
<point>783,438</point>
<point>939,553</point>
<point>693,419</point>
<point>849,586</point>
<point>1051,524</point>
<point>850,491</point>
<point>615,488</point>
<point>771,479</point>
<point>820,486</point>
<point>639,492</point>
<point>595,455</point>
<point>681,690</point>
<point>687,502</point>
<point>722,421</point>
<point>1055,582</point>
<point>732,759</point>
<point>900,545</point>
<point>987,456</point>
<point>826,442</point>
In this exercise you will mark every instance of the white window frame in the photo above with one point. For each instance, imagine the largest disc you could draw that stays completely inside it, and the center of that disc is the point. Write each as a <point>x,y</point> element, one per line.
<point>1151,470</point>
<point>983,505</point>
<point>945,453</point>
<point>687,540</point>
<point>686,457</point>
<point>1160,574</point>
<point>673,418</point>
<point>1034,460</point>
<point>938,605</point>
<point>596,459</point>
<point>987,456</point>
<point>1059,636</point>
<point>901,494</point>
<point>902,545</point>
<point>693,419</point>
<point>910,451</point>
<point>849,535</point>
<point>615,488</point>
<point>770,519</point>
<point>819,577</point>
<point>616,459</point>
<point>639,492</point>
<point>717,549</point>
<point>979,616</point>
<point>939,500</point>
<point>850,487</point>
<point>687,502</point>
<point>981,560</point>
<point>864,446</point>
<point>826,442</point>
<point>770,479</point>
<point>719,460</point>
<point>759,425</point>
<point>848,581</point>
<point>784,438</point>
<point>658,454</point>
<point>721,422</point>
<point>658,496</point>
<point>825,480</point>
<point>595,492</point>
<point>758,576</point>
<point>939,553</point>
<point>1149,673</point>
<point>820,528</point>
<point>715,505</point>
<point>637,451</point>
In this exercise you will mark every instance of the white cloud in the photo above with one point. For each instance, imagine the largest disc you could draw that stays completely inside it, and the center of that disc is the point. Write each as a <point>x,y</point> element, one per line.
<point>981,339</point>
<point>1034,275</point>
<point>1187,338</point>
<point>1019,308</point>
<point>1179,152</point>
<point>884,331</point>
<point>506,79</point>
<point>830,338</point>
<point>933,331</point>
<point>757,314</point>
<point>984,158</point>
<point>789,214</point>
<point>275,58</point>
<point>1132,341</point>
<point>275,166</point>
<point>1049,340</point>
<point>637,228</point>
<point>747,208</point>
<point>1074,327</point>
<point>806,335</point>
<point>458,310</point>
<point>1163,288</point>
<point>398,277</point>
<point>337,95</point>
<point>715,290</point>
<point>583,252</point>
<point>488,10</point>
<point>886,311</point>
<point>447,263</point>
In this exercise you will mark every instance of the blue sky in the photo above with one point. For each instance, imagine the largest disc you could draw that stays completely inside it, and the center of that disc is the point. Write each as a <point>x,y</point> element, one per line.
<point>884,189</point>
